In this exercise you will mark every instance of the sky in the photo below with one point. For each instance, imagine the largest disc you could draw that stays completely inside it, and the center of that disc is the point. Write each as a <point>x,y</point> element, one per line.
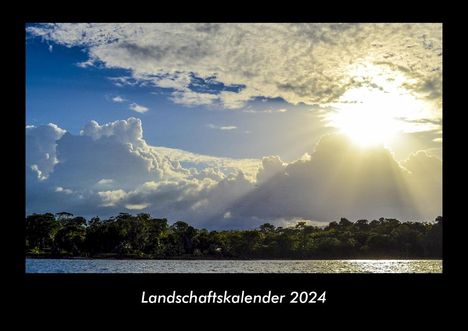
<point>234,125</point>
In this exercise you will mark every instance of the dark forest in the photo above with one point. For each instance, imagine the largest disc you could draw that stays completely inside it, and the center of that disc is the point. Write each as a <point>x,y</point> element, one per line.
<point>64,235</point>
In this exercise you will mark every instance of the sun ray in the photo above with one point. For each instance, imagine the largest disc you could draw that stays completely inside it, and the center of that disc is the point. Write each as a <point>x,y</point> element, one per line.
<point>380,109</point>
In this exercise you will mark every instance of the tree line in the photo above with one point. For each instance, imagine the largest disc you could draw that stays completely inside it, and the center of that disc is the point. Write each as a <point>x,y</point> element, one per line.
<point>141,236</point>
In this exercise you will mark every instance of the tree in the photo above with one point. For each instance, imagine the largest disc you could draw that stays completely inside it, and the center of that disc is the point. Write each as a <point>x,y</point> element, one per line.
<point>132,236</point>
<point>40,231</point>
<point>71,239</point>
<point>379,243</point>
<point>332,225</point>
<point>63,215</point>
<point>345,222</point>
<point>267,228</point>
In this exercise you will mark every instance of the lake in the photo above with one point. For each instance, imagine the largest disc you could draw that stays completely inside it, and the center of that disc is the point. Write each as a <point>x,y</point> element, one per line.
<point>231,266</point>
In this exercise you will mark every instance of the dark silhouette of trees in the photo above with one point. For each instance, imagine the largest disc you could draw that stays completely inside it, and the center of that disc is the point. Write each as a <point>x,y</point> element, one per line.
<point>40,231</point>
<point>141,236</point>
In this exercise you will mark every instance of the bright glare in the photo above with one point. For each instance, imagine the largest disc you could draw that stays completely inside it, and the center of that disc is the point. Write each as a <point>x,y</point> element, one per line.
<point>372,116</point>
<point>366,127</point>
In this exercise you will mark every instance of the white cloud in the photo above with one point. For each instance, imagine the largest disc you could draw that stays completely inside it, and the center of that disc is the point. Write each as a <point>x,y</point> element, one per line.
<point>212,166</point>
<point>125,131</point>
<point>41,155</point>
<point>35,169</point>
<point>110,168</point>
<point>105,182</point>
<point>85,64</point>
<point>222,127</point>
<point>111,198</point>
<point>64,190</point>
<point>118,99</point>
<point>301,63</point>
<point>137,206</point>
<point>138,108</point>
<point>125,80</point>
<point>187,97</point>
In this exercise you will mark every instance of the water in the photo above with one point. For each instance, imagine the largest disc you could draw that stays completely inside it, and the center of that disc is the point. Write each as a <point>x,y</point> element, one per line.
<point>232,266</point>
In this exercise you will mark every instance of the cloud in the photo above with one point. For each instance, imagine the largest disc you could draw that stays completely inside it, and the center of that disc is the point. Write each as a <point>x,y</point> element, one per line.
<point>64,190</point>
<point>342,179</point>
<point>85,64</point>
<point>211,166</point>
<point>300,63</point>
<point>222,128</point>
<point>105,181</point>
<point>137,206</point>
<point>425,181</point>
<point>110,198</point>
<point>187,97</point>
<point>125,131</point>
<point>118,99</point>
<point>138,108</point>
<point>271,165</point>
<point>41,155</point>
<point>110,168</point>
<point>266,111</point>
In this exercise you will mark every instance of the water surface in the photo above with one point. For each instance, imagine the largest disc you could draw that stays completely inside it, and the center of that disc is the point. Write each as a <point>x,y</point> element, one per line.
<point>231,266</point>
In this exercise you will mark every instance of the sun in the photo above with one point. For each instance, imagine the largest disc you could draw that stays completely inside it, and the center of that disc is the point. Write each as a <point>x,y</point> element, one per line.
<point>380,109</point>
<point>371,117</point>
<point>366,127</point>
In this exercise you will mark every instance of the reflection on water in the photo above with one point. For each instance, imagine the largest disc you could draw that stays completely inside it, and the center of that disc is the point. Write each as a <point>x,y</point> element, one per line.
<point>232,266</point>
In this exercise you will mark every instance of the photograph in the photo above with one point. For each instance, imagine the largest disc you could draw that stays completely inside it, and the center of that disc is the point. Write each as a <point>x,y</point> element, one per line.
<point>233,148</point>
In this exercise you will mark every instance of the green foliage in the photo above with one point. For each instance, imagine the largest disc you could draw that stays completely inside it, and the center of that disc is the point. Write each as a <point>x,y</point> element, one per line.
<point>142,236</point>
<point>40,231</point>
